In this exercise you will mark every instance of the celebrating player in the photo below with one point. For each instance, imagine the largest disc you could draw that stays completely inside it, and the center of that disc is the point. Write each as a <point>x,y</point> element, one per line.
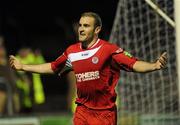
<point>96,64</point>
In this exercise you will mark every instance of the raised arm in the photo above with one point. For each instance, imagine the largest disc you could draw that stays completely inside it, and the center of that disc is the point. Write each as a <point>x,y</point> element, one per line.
<point>40,68</point>
<point>143,66</point>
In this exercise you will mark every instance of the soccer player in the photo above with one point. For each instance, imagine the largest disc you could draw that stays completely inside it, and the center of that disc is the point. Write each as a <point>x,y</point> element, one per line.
<point>96,64</point>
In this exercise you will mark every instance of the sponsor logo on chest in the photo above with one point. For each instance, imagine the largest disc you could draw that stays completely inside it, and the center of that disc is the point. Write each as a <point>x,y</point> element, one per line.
<point>86,76</point>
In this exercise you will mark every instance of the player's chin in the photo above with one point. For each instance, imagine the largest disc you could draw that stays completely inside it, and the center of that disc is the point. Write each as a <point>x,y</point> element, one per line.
<point>82,39</point>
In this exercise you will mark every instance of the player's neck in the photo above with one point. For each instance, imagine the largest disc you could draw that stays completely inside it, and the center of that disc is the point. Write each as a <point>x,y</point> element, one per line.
<point>88,44</point>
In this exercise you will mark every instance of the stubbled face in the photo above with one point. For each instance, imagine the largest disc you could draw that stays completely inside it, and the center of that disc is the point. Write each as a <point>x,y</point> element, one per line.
<point>86,29</point>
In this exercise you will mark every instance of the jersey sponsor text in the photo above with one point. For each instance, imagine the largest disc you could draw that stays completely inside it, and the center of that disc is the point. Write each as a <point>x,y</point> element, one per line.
<point>87,76</point>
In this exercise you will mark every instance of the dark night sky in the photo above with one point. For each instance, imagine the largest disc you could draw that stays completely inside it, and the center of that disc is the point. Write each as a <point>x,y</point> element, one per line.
<point>22,20</point>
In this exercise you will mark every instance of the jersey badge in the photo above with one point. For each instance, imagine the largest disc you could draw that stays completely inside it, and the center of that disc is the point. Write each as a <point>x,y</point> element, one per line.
<point>95,60</point>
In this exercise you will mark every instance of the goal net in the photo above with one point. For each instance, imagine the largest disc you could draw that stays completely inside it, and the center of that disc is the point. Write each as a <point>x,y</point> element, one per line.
<point>150,98</point>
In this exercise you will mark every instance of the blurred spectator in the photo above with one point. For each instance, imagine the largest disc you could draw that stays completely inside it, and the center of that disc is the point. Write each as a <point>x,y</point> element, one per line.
<point>9,101</point>
<point>29,84</point>
<point>71,96</point>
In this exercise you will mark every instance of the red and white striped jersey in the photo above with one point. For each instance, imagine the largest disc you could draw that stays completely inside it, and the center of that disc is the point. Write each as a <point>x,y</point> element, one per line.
<point>97,71</point>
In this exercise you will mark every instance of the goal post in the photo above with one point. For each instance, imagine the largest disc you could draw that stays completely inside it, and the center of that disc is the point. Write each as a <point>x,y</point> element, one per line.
<point>160,12</point>
<point>177,21</point>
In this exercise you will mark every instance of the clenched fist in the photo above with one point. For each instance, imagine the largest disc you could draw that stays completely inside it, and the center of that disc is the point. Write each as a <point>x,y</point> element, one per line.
<point>15,63</point>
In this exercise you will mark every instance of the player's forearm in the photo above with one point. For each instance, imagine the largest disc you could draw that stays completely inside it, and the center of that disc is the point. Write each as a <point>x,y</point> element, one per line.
<point>142,66</point>
<point>40,68</point>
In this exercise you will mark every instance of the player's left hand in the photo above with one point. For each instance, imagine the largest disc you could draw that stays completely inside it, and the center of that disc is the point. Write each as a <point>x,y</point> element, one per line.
<point>162,61</point>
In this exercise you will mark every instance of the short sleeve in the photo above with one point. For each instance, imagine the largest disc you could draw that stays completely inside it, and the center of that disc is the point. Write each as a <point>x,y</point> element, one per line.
<point>122,59</point>
<point>59,63</point>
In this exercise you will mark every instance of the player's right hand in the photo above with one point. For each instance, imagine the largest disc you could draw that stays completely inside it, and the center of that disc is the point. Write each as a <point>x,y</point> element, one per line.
<point>15,63</point>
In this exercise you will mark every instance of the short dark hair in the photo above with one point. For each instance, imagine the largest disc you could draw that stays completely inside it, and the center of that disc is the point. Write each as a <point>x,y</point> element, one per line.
<point>97,18</point>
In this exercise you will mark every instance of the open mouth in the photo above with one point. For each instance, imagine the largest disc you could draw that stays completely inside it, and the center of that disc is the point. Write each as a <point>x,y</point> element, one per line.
<point>82,34</point>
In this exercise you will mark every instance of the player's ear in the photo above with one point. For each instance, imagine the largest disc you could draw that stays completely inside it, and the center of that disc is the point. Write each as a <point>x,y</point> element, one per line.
<point>98,29</point>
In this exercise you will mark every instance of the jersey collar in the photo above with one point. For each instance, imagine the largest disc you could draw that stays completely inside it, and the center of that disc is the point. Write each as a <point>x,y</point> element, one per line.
<point>92,45</point>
